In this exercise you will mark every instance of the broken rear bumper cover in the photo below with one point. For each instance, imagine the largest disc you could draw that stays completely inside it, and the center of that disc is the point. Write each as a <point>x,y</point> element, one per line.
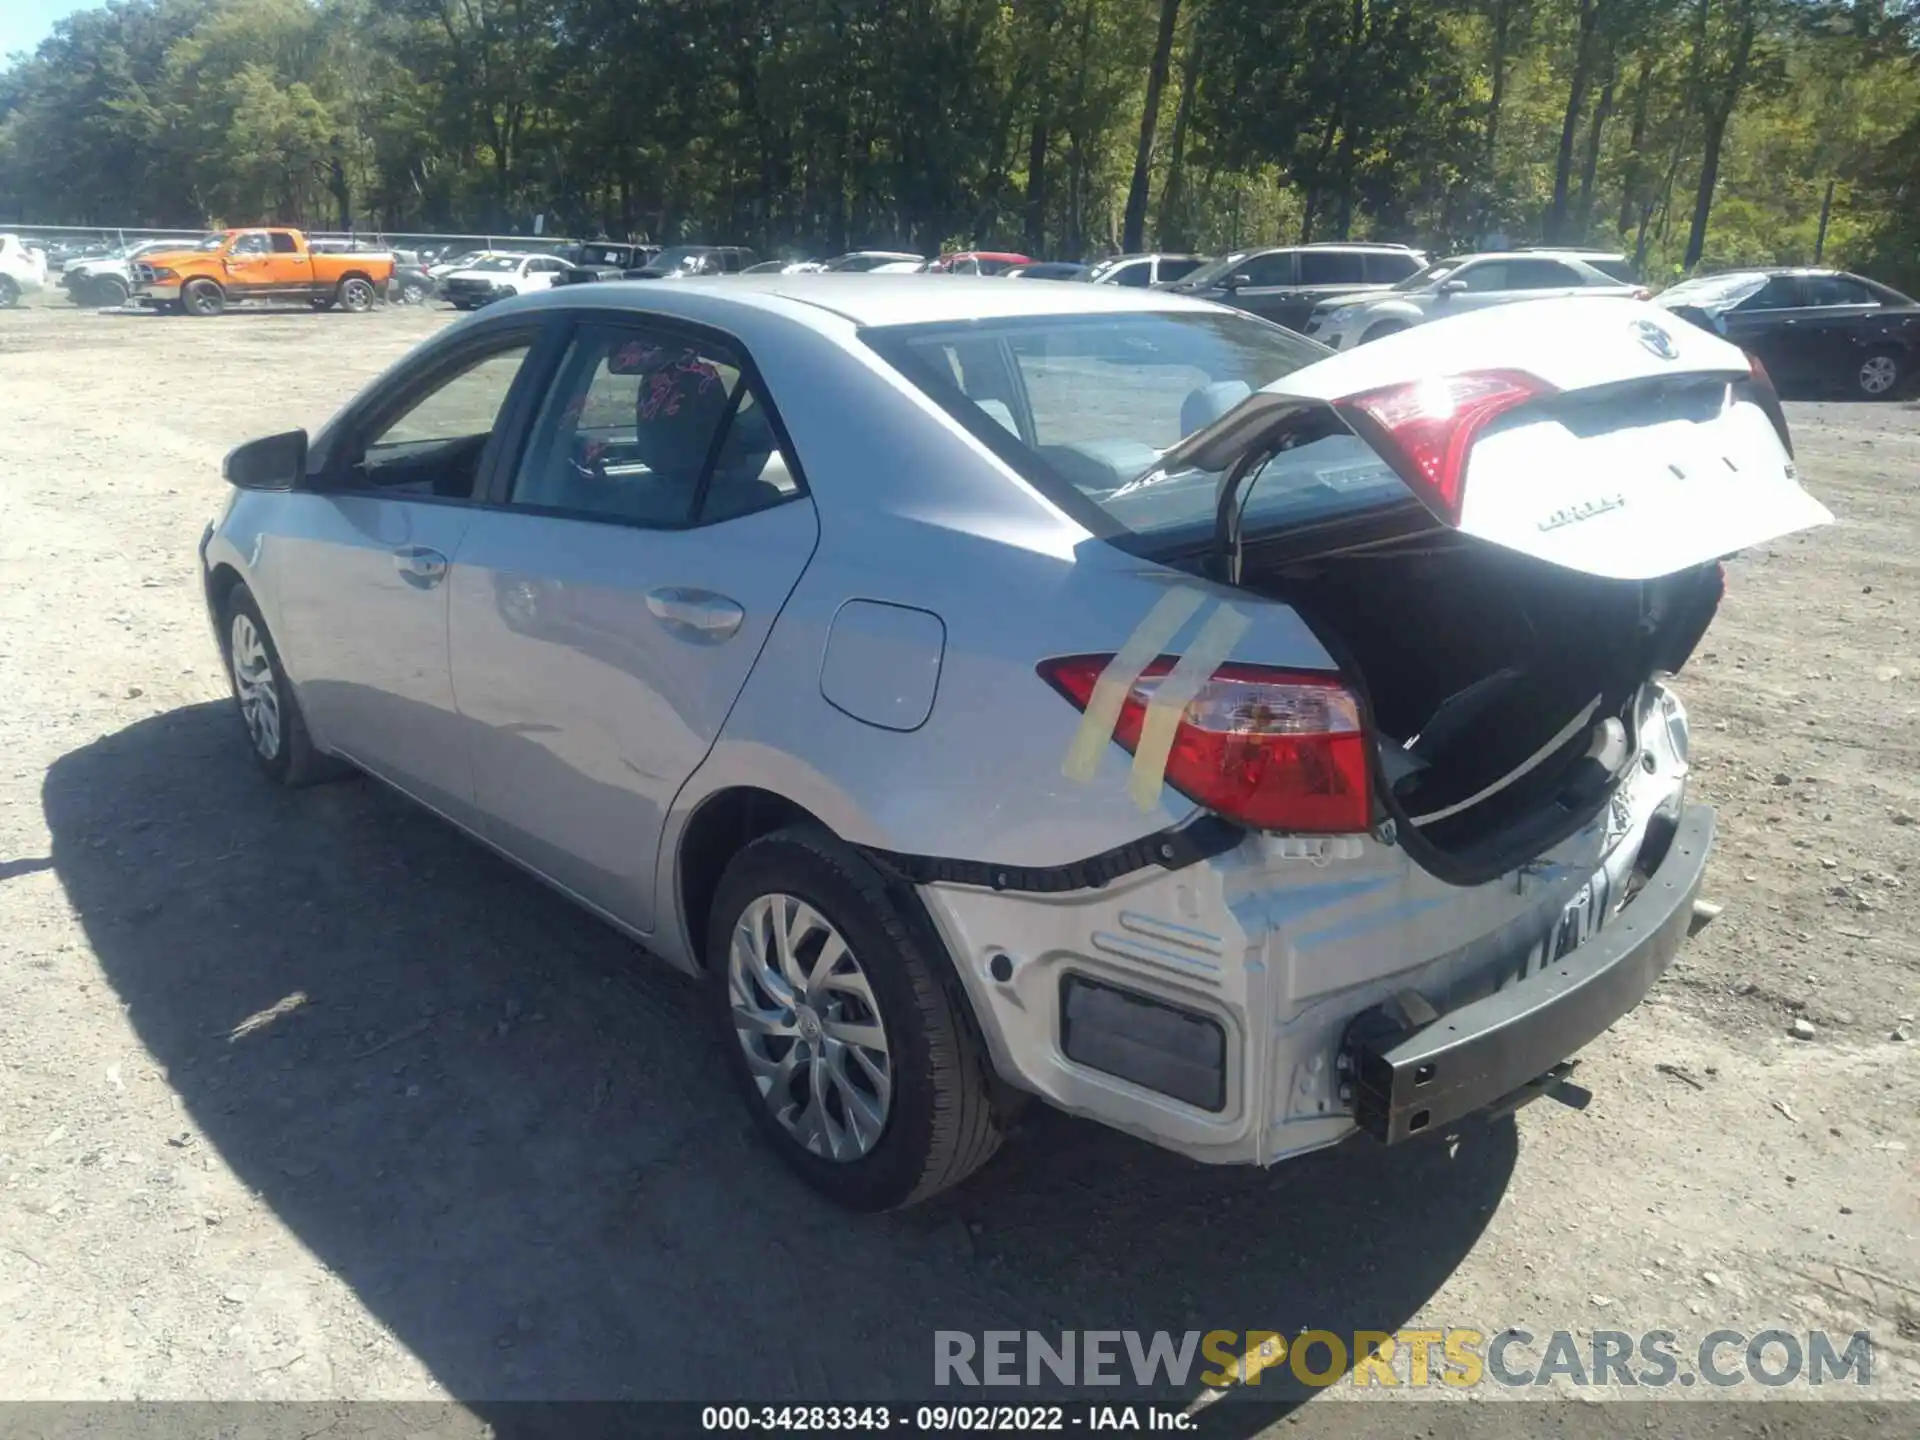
<point>1205,1003</point>
<point>1414,1081</point>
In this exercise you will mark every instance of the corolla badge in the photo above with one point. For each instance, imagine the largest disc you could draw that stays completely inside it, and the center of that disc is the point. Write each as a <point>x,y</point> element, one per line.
<point>1656,340</point>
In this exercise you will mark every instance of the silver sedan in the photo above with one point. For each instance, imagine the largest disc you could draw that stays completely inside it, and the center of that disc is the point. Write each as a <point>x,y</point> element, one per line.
<point>1004,691</point>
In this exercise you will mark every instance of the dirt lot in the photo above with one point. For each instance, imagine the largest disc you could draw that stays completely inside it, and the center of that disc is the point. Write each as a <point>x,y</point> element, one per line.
<point>307,1097</point>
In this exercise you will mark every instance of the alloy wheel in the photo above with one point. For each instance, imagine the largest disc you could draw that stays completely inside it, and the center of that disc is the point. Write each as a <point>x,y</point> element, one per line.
<point>807,1019</point>
<point>254,686</point>
<point>356,295</point>
<point>1878,374</point>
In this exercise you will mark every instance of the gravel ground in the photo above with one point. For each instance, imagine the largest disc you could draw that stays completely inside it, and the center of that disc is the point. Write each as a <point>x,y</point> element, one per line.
<point>306,1097</point>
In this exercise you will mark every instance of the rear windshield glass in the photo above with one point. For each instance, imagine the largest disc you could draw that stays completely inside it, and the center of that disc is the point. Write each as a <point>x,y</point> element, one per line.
<point>1084,406</point>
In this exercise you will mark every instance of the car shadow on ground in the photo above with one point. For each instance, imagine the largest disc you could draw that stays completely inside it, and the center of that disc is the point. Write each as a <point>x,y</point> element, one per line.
<point>509,1132</point>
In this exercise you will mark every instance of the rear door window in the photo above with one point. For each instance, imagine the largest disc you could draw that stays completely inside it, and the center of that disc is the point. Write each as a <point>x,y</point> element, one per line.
<point>1331,267</point>
<point>1830,290</point>
<point>647,427</point>
<point>1387,268</point>
<point>1540,275</point>
<point>1781,292</point>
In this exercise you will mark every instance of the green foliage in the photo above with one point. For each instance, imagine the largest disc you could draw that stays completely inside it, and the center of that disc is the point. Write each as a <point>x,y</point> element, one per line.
<point>806,125</point>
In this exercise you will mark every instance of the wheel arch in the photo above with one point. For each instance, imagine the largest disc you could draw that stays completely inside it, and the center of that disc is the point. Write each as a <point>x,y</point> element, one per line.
<point>724,824</point>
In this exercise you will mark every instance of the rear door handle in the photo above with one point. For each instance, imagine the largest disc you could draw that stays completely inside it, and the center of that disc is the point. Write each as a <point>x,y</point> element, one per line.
<point>420,564</point>
<point>696,614</point>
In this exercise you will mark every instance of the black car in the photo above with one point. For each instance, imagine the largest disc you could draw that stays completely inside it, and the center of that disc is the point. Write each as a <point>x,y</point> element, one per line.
<point>1283,284</point>
<point>1814,330</point>
<point>681,260</point>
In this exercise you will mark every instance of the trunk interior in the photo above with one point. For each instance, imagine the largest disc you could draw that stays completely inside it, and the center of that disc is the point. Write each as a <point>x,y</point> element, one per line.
<point>1504,690</point>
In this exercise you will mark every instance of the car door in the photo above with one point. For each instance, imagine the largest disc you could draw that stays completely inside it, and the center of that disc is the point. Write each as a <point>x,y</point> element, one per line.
<point>363,584</point>
<point>1326,275</point>
<point>1269,289</point>
<point>286,269</point>
<point>542,272</point>
<point>1833,326</point>
<point>248,264</point>
<point>1765,324</point>
<point>606,610</point>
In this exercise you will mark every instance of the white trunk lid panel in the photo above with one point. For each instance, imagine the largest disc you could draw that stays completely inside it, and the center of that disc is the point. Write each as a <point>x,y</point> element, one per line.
<point>1622,487</point>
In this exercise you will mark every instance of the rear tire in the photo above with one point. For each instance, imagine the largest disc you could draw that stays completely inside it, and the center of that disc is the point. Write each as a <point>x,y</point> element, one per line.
<point>1880,375</point>
<point>925,1074</point>
<point>269,710</point>
<point>356,296</point>
<point>1384,329</point>
<point>109,292</point>
<point>9,293</point>
<point>203,299</point>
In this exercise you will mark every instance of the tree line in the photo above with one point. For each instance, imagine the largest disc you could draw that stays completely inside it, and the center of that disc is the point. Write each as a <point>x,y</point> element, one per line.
<point>1684,132</point>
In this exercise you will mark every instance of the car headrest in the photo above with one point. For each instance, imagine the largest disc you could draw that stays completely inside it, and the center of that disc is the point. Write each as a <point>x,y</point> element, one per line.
<point>1209,403</point>
<point>677,410</point>
<point>1000,412</point>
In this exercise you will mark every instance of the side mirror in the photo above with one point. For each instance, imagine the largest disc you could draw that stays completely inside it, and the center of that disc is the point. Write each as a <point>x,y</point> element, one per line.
<point>274,462</point>
<point>1234,282</point>
<point>1453,287</point>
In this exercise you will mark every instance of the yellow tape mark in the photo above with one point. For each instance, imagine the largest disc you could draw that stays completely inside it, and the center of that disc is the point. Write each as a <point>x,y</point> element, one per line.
<point>1172,696</point>
<point>1149,638</point>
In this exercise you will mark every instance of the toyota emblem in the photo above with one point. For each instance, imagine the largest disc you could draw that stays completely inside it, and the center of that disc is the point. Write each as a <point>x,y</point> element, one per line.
<point>1656,340</point>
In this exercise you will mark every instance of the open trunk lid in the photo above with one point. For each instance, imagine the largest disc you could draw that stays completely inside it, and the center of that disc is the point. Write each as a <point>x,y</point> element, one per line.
<point>1604,436</point>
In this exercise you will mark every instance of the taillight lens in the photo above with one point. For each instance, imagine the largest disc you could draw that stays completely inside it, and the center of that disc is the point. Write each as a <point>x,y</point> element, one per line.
<point>1643,293</point>
<point>1425,428</point>
<point>1269,749</point>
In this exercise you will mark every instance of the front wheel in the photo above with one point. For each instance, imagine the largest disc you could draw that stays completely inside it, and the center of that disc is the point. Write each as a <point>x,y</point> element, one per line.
<point>267,705</point>
<point>203,298</point>
<point>1879,375</point>
<point>356,295</point>
<point>110,292</point>
<point>844,1027</point>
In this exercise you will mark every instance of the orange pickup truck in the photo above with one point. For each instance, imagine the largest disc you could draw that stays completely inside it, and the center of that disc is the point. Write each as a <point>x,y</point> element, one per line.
<point>264,264</point>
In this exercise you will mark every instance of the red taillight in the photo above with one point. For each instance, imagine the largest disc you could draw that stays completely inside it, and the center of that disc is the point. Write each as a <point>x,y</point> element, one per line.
<point>1269,749</point>
<point>1643,293</point>
<point>1425,428</point>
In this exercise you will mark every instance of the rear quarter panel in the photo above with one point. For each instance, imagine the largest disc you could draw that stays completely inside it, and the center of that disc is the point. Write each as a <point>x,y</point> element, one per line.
<point>914,512</point>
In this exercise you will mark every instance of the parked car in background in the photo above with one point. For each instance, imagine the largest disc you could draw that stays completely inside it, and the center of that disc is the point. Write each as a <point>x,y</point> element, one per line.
<point>1814,330</point>
<point>1049,270</point>
<point>867,260</point>
<point>1142,271</point>
<point>676,262</point>
<point>445,266</point>
<point>610,259</point>
<point>107,280</point>
<point>785,267</point>
<point>1458,285</point>
<point>1285,283</point>
<point>900,267</point>
<point>23,270</point>
<point>498,275</point>
<point>260,264</point>
<point>1607,262</point>
<point>977,262</point>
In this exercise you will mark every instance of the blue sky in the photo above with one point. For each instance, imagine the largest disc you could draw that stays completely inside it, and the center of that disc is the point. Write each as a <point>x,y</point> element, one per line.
<point>25,23</point>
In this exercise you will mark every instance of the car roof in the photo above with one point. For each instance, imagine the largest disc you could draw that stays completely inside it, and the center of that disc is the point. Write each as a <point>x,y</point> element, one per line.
<point>1542,253</point>
<point>870,300</point>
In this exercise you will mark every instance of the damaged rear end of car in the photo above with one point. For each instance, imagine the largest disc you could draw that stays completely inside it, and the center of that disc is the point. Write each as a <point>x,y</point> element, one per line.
<point>1433,852</point>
